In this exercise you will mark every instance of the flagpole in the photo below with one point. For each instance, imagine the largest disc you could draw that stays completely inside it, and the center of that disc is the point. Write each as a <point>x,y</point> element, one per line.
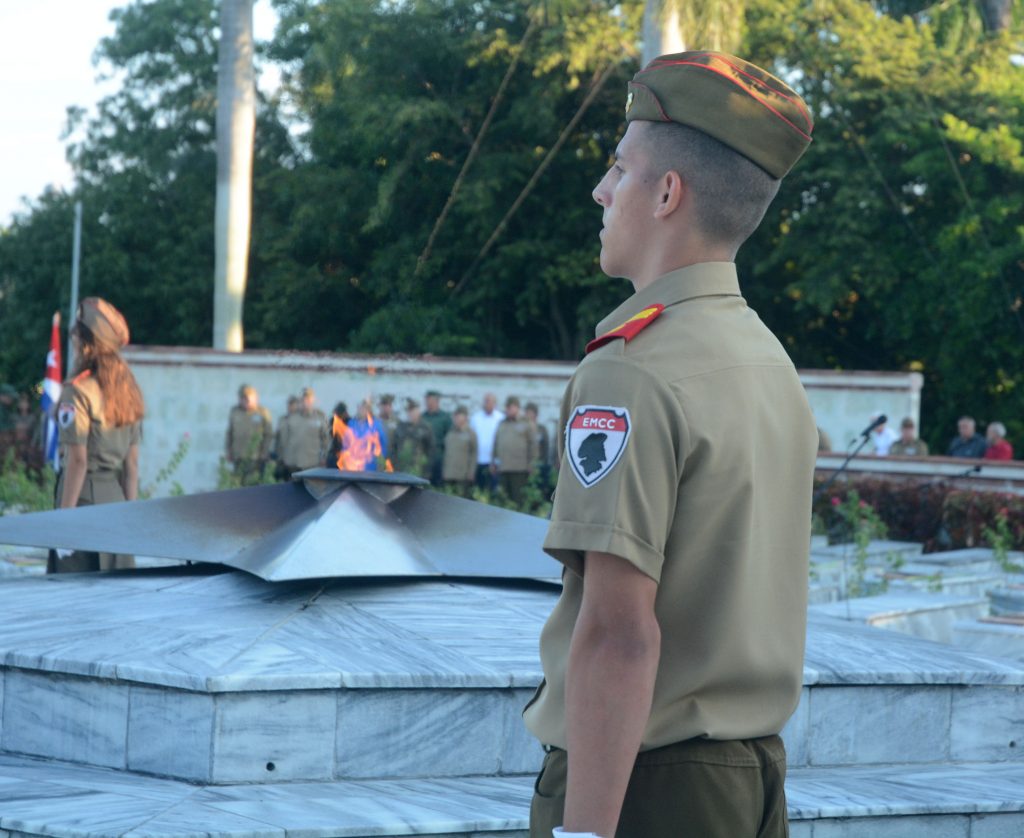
<point>76,256</point>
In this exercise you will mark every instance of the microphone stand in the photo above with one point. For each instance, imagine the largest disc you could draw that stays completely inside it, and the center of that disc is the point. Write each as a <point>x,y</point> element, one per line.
<point>842,468</point>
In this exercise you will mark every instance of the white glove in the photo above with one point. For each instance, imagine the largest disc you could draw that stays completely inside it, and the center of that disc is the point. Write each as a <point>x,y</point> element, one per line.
<point>62,553</point>
<point>558,832</point>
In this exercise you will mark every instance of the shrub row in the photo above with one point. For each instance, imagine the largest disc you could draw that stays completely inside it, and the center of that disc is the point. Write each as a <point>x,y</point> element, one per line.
<point>933,513</point>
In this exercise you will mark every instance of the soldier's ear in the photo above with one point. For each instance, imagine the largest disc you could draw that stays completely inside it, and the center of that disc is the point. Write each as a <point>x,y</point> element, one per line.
<point>671,193</point>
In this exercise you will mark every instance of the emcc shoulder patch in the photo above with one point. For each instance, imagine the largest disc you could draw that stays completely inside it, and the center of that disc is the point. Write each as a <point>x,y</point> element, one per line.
<point>66,415</point>
<point>595,437</point>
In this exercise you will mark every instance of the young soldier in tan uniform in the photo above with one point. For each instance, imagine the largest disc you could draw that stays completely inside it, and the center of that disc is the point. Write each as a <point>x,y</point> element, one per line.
<point>682,515</point>
<point>309,434</point>
<point>250,433</point>
<point>515,451</point>
<point>100,420</point>
<point>458,468</point>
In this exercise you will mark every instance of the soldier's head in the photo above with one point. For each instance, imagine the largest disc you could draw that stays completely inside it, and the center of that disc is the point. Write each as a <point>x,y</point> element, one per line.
<point>531,411</point>
<point>247,397</point>
<point>512,407</point>
<point>490,401</point>
<point>433,401</point>
<point>386,406</point>
<point>412,410</point>
<point>308,399</point>
<point>908,430</point>
<point>460,417</point>
<point>294,402</point>
<point>99,331</point>
<point>709,138</point>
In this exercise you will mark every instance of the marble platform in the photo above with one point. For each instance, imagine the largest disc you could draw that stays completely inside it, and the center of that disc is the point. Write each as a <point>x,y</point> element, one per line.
<point>70,801</point>
<point>926,615</point>
<point>143,701</point>
<point>990,638</point>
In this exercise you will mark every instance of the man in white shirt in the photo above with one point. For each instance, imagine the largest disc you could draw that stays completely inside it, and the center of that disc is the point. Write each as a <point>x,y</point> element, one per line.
<point>485,423</point>
<point>883,437</point>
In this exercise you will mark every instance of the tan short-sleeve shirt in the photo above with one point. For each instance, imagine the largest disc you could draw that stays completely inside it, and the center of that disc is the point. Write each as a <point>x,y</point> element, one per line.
<point>689,451</point>
<point>81,422</point>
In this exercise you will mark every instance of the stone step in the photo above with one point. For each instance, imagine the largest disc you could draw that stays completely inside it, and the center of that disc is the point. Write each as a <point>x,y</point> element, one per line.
<point>929,616</point>
<point>324,681</point>
<point>58,800</point>
<point>994,636</point>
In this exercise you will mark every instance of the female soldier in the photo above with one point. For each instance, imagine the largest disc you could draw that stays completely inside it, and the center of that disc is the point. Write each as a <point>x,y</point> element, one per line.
<point>100,419</point>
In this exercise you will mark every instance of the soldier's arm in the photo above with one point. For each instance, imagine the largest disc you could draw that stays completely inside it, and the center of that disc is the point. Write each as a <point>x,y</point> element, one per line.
<point>75,462</point>
<point>613,661</point>
<point>130,473</point>
<point>268,436</point>
<point>227,438</point>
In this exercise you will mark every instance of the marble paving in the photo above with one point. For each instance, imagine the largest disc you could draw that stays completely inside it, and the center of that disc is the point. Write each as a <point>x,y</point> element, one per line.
<point>231,632</point>
<point>930,616</point>
<point>69,801</point>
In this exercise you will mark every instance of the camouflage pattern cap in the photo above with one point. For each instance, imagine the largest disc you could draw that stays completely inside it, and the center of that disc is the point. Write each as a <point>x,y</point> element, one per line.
<point>106,323</point>
<point>727,98</point>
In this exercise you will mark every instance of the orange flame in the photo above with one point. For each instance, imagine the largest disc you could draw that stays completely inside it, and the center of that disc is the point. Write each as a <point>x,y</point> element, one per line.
<point>357,452</point>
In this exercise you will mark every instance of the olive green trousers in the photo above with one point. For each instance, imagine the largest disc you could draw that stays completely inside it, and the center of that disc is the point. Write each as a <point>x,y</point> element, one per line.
<point>700,788</point>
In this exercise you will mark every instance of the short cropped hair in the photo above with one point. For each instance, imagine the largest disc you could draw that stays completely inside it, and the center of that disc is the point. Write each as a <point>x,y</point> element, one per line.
<point>732,193</point>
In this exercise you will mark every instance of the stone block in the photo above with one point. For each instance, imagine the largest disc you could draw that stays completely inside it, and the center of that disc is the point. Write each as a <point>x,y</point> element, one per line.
<point>187,751</point>
<point>997,825</point>
<point>987,724</point>
<point>878,724</point>
<point>801,829</point>
<point>66,718</point>
<point>420,733</point>
<point>521,753</point>
<point>903,826</point>
<point>274,737</point>
<point>794,734</point>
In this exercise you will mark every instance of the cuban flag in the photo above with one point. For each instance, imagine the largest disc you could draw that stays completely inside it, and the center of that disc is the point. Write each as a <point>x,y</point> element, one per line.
<point>51,393</point>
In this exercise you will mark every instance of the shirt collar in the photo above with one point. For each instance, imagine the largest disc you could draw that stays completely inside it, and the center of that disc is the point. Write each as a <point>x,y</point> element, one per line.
<point>707,279</point>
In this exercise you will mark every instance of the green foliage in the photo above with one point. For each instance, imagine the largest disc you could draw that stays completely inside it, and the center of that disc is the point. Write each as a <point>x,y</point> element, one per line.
<point>22,489</point>
<point>856,521</point>
<point>897,243</point>
<point>167,471</point>
<point>937,515</point>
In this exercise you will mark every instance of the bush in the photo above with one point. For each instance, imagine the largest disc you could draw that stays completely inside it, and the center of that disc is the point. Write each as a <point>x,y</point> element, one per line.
<point>929,512</point>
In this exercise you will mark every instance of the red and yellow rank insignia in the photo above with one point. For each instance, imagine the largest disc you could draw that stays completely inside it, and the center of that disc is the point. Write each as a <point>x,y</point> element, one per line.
<point>630,329</point>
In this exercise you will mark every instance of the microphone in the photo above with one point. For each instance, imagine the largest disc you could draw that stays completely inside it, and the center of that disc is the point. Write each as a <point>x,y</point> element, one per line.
<point>881,420</point>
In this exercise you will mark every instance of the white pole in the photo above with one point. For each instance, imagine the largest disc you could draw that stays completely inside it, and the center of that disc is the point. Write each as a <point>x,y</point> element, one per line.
<point>76,257</point>
<point>236,121</point>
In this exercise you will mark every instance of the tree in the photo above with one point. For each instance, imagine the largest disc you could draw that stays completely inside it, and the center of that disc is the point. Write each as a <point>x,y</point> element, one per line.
<point>393,96</point>
<point>895,243</point>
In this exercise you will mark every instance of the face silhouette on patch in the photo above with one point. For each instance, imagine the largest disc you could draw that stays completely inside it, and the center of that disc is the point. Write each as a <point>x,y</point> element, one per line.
<point>595,437</point>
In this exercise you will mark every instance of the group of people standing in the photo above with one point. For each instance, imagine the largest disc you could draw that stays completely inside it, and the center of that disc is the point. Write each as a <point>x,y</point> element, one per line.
<point>300,441</point>
<point>967,442</point>
<point>491,449</point>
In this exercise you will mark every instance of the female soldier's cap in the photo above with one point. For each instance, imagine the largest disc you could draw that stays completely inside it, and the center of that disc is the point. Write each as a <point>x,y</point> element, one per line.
<point>106,323</point>
<point>732,100</point>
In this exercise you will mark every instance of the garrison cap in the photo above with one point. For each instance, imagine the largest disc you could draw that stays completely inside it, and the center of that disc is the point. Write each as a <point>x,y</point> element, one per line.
<point>106,323</point>
<point>729,99</point>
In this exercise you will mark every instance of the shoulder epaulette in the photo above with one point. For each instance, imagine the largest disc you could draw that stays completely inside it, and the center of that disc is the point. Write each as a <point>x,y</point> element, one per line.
<point>630,329</point>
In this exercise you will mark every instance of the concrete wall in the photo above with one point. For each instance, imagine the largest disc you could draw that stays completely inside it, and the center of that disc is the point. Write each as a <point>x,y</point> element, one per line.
<point>190,391</point>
